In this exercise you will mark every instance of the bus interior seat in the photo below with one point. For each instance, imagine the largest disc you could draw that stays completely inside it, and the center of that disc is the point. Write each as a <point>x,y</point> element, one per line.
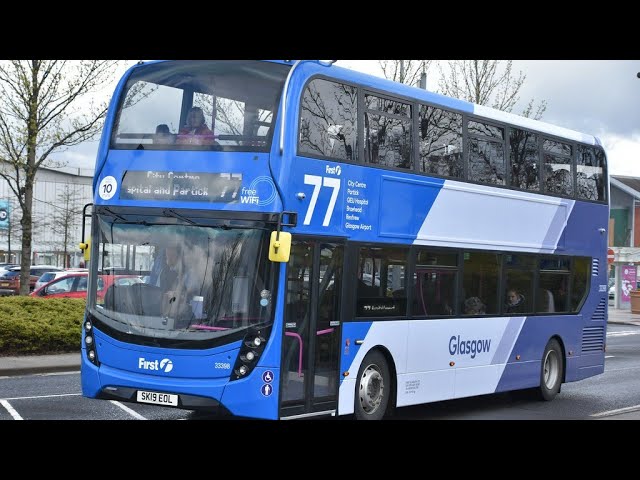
<point>146,298</point>
<point>400,293</point>
<point>136,299</point>
<point>365,290</point>
<point>545,301</point>
<point>117,299</point>
<point>108,301</point>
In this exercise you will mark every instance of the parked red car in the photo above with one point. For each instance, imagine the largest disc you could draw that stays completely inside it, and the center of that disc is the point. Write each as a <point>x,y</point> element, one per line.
<point>74,285</point>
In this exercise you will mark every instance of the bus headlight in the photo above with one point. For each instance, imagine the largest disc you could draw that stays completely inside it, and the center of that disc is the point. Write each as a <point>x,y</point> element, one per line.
<point>252,347</point>
<point>89,341</point>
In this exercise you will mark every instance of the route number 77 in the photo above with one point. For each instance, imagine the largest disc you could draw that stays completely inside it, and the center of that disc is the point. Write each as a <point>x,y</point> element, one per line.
<point>317,183</point>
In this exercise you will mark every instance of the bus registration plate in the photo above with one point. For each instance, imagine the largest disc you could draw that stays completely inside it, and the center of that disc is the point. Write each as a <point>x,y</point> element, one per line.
<point>158,398</point>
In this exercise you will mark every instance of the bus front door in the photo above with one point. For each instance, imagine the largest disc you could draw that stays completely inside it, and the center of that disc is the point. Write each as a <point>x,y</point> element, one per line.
<point>310,356</point>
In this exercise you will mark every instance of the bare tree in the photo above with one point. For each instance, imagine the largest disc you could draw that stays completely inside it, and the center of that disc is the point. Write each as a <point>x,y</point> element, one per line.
<point>408,72</point>
<point>327,128</point>
<point>47,106</point>
<point>487,82</point>
<point>66,218</point>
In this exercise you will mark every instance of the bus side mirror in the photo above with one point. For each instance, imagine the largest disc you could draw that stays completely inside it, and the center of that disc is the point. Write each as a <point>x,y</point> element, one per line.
<point>279,250</point>
<point>86,249</point>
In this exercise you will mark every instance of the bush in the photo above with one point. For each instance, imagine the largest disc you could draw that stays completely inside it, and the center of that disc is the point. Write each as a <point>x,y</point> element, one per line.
<point>31,325</point>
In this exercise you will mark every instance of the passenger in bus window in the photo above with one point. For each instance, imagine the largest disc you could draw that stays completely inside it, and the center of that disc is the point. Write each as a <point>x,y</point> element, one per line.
<point>515,302</point>
<point>196,131</point>
<point>163,135</point>
<point>474,306</point>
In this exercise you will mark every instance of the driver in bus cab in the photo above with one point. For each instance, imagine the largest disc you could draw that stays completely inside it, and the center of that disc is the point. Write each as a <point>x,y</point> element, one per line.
<point>195,131</point>
<point>176,284</point>
<point>169,276</point>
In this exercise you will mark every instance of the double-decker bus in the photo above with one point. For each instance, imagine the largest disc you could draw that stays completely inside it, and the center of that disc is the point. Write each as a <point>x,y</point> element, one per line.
<point>317,241</point>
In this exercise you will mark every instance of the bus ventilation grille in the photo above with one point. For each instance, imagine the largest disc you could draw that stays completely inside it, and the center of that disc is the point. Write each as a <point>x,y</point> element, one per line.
<point>592,339</point>
<point>595,267</point>
<point>599,314</point>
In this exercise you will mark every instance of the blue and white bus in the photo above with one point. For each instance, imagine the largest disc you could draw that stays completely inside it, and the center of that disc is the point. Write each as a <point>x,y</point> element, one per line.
<point>312,240</point>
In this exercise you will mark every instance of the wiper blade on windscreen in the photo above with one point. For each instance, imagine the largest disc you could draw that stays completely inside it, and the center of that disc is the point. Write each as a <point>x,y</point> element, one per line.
<point>113,214</point>
<point>120,217</point>
<point>173,213</point>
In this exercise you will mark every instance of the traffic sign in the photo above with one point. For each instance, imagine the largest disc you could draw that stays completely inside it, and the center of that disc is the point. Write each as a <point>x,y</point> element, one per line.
<point>610,256</point>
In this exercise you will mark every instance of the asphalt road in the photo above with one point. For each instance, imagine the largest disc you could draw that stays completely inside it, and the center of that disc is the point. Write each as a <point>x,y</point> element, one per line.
<point>57,396</point>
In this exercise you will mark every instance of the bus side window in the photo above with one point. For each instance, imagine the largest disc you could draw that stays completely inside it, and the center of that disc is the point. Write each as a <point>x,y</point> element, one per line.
<point>328,124</point>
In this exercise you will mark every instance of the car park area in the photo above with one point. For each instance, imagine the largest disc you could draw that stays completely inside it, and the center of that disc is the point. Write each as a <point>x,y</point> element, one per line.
<point>10,278</point>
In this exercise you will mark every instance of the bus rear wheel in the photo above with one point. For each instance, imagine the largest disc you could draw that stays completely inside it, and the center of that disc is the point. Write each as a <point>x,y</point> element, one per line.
<point>551,371</point>
<point>373,387</point>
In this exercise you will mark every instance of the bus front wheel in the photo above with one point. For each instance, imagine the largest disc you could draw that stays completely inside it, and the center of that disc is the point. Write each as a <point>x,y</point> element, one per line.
<point>551,371</point>
<point>373,387</point>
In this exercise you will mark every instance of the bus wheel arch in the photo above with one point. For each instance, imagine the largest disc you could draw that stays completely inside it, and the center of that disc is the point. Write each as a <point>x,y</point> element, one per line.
<point>552,369</point>
<point>375,389</point>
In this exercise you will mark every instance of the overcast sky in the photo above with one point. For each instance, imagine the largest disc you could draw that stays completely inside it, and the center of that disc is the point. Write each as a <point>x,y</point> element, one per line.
<point>598,97</point>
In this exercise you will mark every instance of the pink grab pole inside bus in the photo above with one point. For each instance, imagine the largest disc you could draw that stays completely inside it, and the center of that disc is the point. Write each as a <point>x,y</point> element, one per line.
<point>293,334</point>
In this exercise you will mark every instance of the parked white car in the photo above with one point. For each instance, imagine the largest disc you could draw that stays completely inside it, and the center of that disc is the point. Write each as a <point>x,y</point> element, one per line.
<point>49,277</point>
